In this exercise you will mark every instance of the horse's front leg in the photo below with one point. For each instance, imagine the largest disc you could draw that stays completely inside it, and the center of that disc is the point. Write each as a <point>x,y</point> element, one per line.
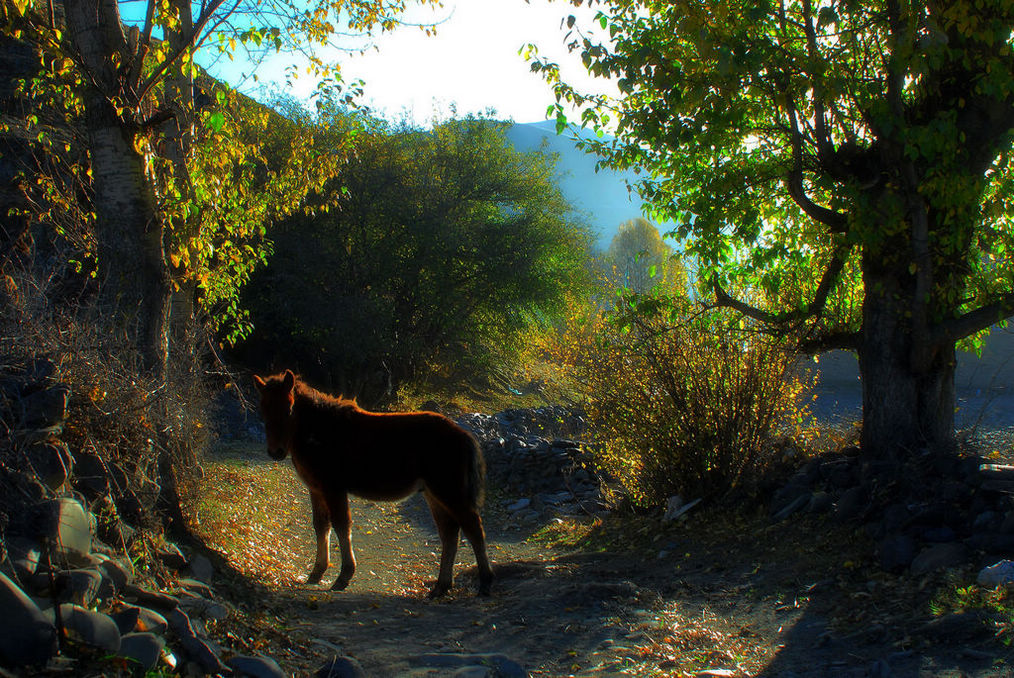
<point>341,517</point>
<point>322,528</point>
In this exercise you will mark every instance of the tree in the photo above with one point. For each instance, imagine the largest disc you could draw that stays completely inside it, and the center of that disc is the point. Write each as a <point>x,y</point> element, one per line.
<point>829,147</point>
<point>134,86</point>
<point>638,254</point>
<point>446,248</point>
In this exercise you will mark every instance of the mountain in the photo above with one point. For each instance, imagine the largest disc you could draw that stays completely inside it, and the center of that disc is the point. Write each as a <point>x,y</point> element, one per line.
<point>602,197</point>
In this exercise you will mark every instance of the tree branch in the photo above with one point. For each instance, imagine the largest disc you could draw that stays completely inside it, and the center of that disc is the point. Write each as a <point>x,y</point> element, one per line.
<point>843,341</point>
<point>975,321</point>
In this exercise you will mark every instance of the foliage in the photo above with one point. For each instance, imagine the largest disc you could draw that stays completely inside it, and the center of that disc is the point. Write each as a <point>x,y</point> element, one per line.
<point>446,248</point>
<point>686,401</point>
<point>860,151</point>
<point>640,258</point>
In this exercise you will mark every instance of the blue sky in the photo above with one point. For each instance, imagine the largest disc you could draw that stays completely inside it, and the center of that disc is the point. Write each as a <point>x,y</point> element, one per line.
<point>471,63</point>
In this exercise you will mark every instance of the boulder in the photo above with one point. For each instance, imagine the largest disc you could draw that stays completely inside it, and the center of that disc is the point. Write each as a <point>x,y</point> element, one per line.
<point>67,525</point>
<point>939,557</point>
<point>255,667</point>
<point>89,627</point>
<point>341,667</point>
<point>27,636</point>
<point>51,462</point>
<point>144,649</point>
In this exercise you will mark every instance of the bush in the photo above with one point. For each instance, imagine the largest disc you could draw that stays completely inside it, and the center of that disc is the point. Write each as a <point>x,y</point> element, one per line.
<point>684,401</point>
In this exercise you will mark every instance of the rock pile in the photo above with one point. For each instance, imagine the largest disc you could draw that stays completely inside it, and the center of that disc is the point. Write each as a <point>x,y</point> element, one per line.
<point>67,593</point>
<point>536,458</point>
<point>926,512</point>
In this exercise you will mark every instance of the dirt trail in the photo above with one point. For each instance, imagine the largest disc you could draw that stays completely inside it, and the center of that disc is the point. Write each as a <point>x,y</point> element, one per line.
<point>735,598</point>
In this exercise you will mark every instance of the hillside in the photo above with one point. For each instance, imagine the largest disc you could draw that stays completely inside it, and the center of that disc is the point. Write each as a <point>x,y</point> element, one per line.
<point>601,196</point>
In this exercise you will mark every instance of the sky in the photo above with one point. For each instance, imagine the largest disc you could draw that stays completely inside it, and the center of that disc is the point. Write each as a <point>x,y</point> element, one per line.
<point>472,63</point>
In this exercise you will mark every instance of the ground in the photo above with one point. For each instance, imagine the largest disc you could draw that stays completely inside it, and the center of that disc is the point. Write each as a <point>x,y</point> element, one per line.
<point>720,593</point>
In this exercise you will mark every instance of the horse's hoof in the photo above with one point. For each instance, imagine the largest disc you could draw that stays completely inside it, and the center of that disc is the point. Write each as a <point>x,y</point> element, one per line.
<point>339,585</point>
<point>485,590</point>
<point>314,579</point>
<point>439,590</point>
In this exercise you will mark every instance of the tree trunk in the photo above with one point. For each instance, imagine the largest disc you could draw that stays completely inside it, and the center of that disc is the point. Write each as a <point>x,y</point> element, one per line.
<point>906,407</point>
<point>134,281</point>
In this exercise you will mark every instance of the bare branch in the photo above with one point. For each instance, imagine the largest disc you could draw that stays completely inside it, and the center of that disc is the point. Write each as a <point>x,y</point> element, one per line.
<point>975,321</point>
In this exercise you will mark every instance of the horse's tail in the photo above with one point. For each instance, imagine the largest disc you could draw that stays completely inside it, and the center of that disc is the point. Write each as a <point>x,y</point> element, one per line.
<point>476,473</point>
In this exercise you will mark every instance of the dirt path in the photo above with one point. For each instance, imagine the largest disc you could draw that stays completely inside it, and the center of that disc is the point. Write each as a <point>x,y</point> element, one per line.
<point>733,596</point>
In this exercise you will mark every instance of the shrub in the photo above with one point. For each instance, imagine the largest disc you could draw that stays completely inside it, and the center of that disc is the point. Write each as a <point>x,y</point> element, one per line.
<point>684,400</point>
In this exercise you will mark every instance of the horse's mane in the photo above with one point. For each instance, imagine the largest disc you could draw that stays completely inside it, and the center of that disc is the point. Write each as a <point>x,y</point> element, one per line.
<point>320,398</point>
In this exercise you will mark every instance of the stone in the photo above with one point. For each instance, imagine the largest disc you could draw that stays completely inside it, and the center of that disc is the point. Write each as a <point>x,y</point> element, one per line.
<point>201,569</point>
<point>51,462</point>
<point>939,557</point>
<point>45,408</point>
<point>820,502</point>
<point>997,574</point>
<point>89,627</point>
<point>992,542</point>
<point>520,504</point>
<point>196,587</point>
<point>118,573</point>
<point>795,505</point>
<point>199,606</point>
<point>896,552</point>
<point>172,557</point>
<point>500,664</point>
<point>144,649</point>
<point>91,475</point>
<point>27,636</point>
<point>939,535</point>
<point>255,667</point>
<point>79,586</point>
<point>341,667</point>
<point>160,601</point>
<point>852,504</point>
<point>65,522</point>
<point>24,555</point>
<point>126,619</point>
<point>198,649</point>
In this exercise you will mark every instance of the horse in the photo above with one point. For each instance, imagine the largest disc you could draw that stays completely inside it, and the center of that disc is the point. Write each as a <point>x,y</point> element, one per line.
<point>339,449</point>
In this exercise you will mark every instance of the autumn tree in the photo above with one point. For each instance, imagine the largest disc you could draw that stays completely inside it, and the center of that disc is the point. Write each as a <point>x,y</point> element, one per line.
<point>132,86</point>
<point>831,148</point>
<point>638,255</point>
<point>447,246</point>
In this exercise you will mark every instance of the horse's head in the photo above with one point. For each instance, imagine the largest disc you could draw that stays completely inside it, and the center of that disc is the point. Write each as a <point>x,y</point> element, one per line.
<point>277,400</point>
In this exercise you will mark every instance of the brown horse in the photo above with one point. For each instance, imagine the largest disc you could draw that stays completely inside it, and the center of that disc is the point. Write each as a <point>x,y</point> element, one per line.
<point>339,448</point>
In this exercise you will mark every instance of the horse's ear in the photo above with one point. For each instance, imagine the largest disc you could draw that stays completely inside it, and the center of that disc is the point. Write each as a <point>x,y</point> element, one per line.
<point>290,380</point>
<point>259,383</point>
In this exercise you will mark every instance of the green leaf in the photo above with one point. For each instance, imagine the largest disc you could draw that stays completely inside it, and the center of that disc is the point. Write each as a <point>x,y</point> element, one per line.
<point>215,121</point>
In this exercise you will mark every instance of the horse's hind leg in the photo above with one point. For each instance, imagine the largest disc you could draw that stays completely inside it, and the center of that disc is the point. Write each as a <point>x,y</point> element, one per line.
<point>341,518</point>
<point>322,528</point>
<point>447,527</point>
<point>471,525</point>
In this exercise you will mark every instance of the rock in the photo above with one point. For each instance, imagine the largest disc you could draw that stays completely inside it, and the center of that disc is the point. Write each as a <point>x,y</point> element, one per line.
<point>500,664</point>
<point>27,636</point>
<point>939,535</point>
<point>519,505</point>
<point>939,557</point>
<point>341,667</point>
<point>992,542</point>
<point>89,627</point>
<point>91,476</point>
<point>201,569</point>
<point>852,505</point>
<point>24,555</point>
<point>79,586</point>
<point>172,557</point>
<point>65,522</point>
<point>196,648</point>
<point>896,552</point>
<point>196,587</point>
<point>820,502</point>
<point>160,601</point>
<point>45,408</point>
<point>795,505</point>
<point>143,648</point>
<point>117,572</point>
<point>205,608</point>
<point>997,574</point>
<point>51,462</point>
<point>256,667</point>
<point>681,511</point>
<point>126,619</point>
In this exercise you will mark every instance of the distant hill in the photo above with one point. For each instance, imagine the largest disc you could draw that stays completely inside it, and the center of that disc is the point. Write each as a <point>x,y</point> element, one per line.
<point>602,197</point>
